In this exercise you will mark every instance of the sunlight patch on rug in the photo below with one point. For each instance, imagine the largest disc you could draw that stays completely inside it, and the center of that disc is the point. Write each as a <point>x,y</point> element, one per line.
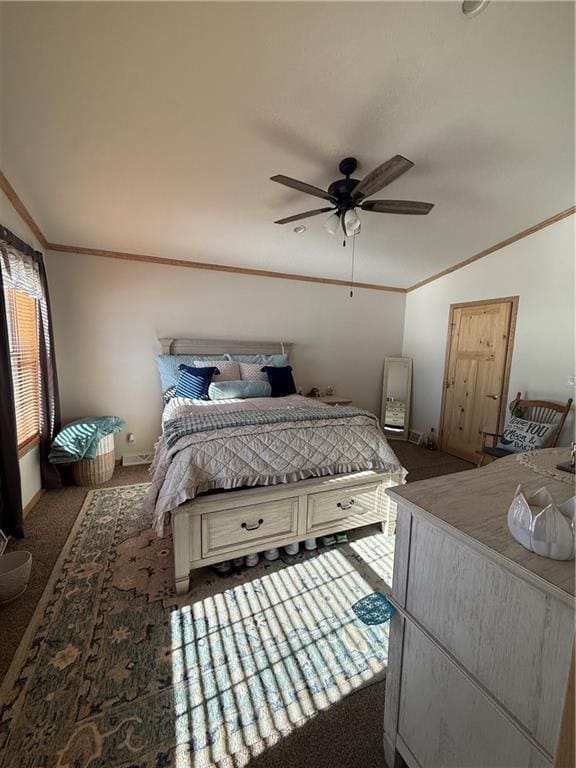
<point>253,662</point>
<point>377,551</point>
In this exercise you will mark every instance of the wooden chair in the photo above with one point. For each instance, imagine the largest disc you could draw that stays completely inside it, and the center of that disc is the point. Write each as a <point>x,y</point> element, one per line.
<point>542,411</point>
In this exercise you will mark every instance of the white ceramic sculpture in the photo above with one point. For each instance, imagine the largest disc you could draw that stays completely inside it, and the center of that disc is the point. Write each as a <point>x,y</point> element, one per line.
<point>541,525</point>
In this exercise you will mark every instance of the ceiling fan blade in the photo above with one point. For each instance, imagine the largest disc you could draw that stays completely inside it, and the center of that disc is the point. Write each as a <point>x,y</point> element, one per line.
<point>306,215</point>
<point>397,206</point>
<point>301,186</point>
<point>381,177</point>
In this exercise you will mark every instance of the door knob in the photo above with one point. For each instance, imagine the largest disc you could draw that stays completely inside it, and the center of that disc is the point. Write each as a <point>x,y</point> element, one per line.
<point>493,397</point>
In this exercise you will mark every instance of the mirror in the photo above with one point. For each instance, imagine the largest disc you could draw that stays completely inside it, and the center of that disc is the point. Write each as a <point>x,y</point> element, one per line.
<point>396,391</point>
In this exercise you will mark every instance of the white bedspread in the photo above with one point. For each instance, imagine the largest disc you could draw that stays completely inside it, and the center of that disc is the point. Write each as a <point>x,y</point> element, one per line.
<point>256,455</point>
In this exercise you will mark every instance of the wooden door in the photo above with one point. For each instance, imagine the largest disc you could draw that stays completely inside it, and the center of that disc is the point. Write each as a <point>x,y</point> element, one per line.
<point>476,375</point>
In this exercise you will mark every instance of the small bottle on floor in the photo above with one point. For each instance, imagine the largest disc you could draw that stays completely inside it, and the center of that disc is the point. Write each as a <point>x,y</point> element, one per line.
<point>431,443</point>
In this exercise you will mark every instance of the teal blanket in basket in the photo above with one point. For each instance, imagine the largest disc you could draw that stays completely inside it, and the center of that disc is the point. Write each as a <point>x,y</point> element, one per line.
<point>79,439</point>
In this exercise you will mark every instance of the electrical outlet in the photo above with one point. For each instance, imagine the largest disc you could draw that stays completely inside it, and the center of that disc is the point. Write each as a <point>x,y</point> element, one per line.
<point>571,381</point>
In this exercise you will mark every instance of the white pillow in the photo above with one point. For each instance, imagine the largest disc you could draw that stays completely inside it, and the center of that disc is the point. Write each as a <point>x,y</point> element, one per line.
<point>229,369</point>
<point>521,435</point>
<point>252,372</point>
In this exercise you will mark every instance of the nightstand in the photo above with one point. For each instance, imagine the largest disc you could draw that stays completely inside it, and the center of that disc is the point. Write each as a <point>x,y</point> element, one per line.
<point>333,400</point>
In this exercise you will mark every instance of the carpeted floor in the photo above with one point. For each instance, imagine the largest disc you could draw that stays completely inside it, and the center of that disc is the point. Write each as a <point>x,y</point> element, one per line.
<point>330,739</point>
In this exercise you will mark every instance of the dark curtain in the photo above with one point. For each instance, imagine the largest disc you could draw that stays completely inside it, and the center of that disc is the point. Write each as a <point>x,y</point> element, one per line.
<point>10,494</point>
<point>50,423</point>
<point>11,500</point>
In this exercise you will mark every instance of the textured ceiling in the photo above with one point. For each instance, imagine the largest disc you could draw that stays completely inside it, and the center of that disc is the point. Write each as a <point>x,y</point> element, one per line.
<point>154,128</point>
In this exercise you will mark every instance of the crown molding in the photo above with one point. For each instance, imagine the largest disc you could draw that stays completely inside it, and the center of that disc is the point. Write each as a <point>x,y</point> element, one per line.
<point>21,209</point>
<point>502,244</point>
<point>217,267</point>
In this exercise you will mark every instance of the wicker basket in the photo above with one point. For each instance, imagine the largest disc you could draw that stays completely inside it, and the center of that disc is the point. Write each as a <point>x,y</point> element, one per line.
<point>98,470</point>
<point>15,569</point>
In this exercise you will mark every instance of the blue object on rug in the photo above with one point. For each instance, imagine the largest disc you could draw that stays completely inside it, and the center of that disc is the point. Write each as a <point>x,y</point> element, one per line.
<point>374,609</point>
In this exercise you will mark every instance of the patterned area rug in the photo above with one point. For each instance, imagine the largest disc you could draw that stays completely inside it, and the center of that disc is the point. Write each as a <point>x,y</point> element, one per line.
<point>115,670</point>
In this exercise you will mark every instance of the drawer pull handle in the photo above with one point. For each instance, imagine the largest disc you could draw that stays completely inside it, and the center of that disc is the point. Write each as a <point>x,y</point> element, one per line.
<point>252,526</point>
<point>345,505</point>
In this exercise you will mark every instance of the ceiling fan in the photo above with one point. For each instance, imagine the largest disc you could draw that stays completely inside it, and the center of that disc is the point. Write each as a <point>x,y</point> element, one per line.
<point>347,194</point>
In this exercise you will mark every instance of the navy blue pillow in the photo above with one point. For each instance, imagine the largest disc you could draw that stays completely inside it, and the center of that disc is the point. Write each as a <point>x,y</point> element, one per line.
<point>281,380</point>
<point>194,382</point>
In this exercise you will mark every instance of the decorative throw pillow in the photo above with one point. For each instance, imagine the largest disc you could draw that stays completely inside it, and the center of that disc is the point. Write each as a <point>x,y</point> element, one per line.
<point>281,380</point>
<point>521,435</point>
<point>228,370</point>
<point>252,372</point>
<point>168,366</point>
<point>194,382</point>
<point>169,394</point>
<point>279,359</point>
<point>224,390</point>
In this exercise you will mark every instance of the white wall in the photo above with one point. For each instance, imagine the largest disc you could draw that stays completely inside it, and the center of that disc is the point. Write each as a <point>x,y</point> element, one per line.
<point>539,269</point>
<point>30,463</point>
<point>108,315</point>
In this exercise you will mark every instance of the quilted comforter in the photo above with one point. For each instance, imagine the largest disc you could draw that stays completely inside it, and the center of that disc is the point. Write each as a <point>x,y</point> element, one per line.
<point>251,454</point>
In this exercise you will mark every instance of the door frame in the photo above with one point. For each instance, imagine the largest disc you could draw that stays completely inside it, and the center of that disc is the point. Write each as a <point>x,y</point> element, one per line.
<point>514,301</point>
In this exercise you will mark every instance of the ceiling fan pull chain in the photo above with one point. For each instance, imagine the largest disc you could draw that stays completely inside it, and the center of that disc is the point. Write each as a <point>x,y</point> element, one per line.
<point>352,272</point>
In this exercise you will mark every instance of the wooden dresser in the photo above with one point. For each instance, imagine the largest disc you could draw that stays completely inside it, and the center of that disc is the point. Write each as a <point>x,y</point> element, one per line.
<point>481,646</point>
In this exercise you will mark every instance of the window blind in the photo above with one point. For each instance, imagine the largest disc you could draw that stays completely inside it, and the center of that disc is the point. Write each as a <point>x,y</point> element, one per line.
<point>25,362</point>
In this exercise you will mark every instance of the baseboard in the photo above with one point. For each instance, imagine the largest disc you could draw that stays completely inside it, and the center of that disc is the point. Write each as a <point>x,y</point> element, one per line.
<point>134,459</point>
<point>32,503</point>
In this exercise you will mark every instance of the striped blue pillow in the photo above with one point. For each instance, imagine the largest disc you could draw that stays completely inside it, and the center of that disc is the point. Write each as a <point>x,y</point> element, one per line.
<point>194,382</point>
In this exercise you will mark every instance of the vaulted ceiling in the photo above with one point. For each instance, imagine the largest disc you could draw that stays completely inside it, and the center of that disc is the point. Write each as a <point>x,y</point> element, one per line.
<point>154,127</point>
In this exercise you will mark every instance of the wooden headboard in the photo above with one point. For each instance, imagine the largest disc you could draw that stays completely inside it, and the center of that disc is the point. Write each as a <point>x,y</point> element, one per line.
<point>221,346</point>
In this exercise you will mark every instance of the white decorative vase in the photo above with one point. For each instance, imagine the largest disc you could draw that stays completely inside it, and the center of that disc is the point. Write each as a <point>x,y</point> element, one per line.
<point>541,525</point>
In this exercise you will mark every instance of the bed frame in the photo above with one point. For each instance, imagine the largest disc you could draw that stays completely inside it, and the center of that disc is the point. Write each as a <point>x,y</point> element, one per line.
<point>227,524</point>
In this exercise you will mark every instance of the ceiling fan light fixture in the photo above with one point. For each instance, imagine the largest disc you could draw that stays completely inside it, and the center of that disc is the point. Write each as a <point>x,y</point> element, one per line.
<point>473,7</point>
<point>351,223</point>
<point>332,223</point>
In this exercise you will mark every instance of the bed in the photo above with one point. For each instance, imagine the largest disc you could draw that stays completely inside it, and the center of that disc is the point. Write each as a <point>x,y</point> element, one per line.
<point>240,476</point>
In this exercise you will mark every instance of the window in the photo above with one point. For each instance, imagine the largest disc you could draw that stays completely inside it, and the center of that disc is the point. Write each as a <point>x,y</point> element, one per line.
<point>25,362</point>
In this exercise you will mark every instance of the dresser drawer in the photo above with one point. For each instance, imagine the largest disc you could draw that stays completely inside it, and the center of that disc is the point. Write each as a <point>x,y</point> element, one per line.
<point>447,722</point>
<point>346,508</point>
<point>255,527</point>
<point>510,635</point>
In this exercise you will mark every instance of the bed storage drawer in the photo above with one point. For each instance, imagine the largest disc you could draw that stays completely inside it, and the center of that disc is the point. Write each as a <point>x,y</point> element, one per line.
<point>254,527</point>
<point>346,508</point>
